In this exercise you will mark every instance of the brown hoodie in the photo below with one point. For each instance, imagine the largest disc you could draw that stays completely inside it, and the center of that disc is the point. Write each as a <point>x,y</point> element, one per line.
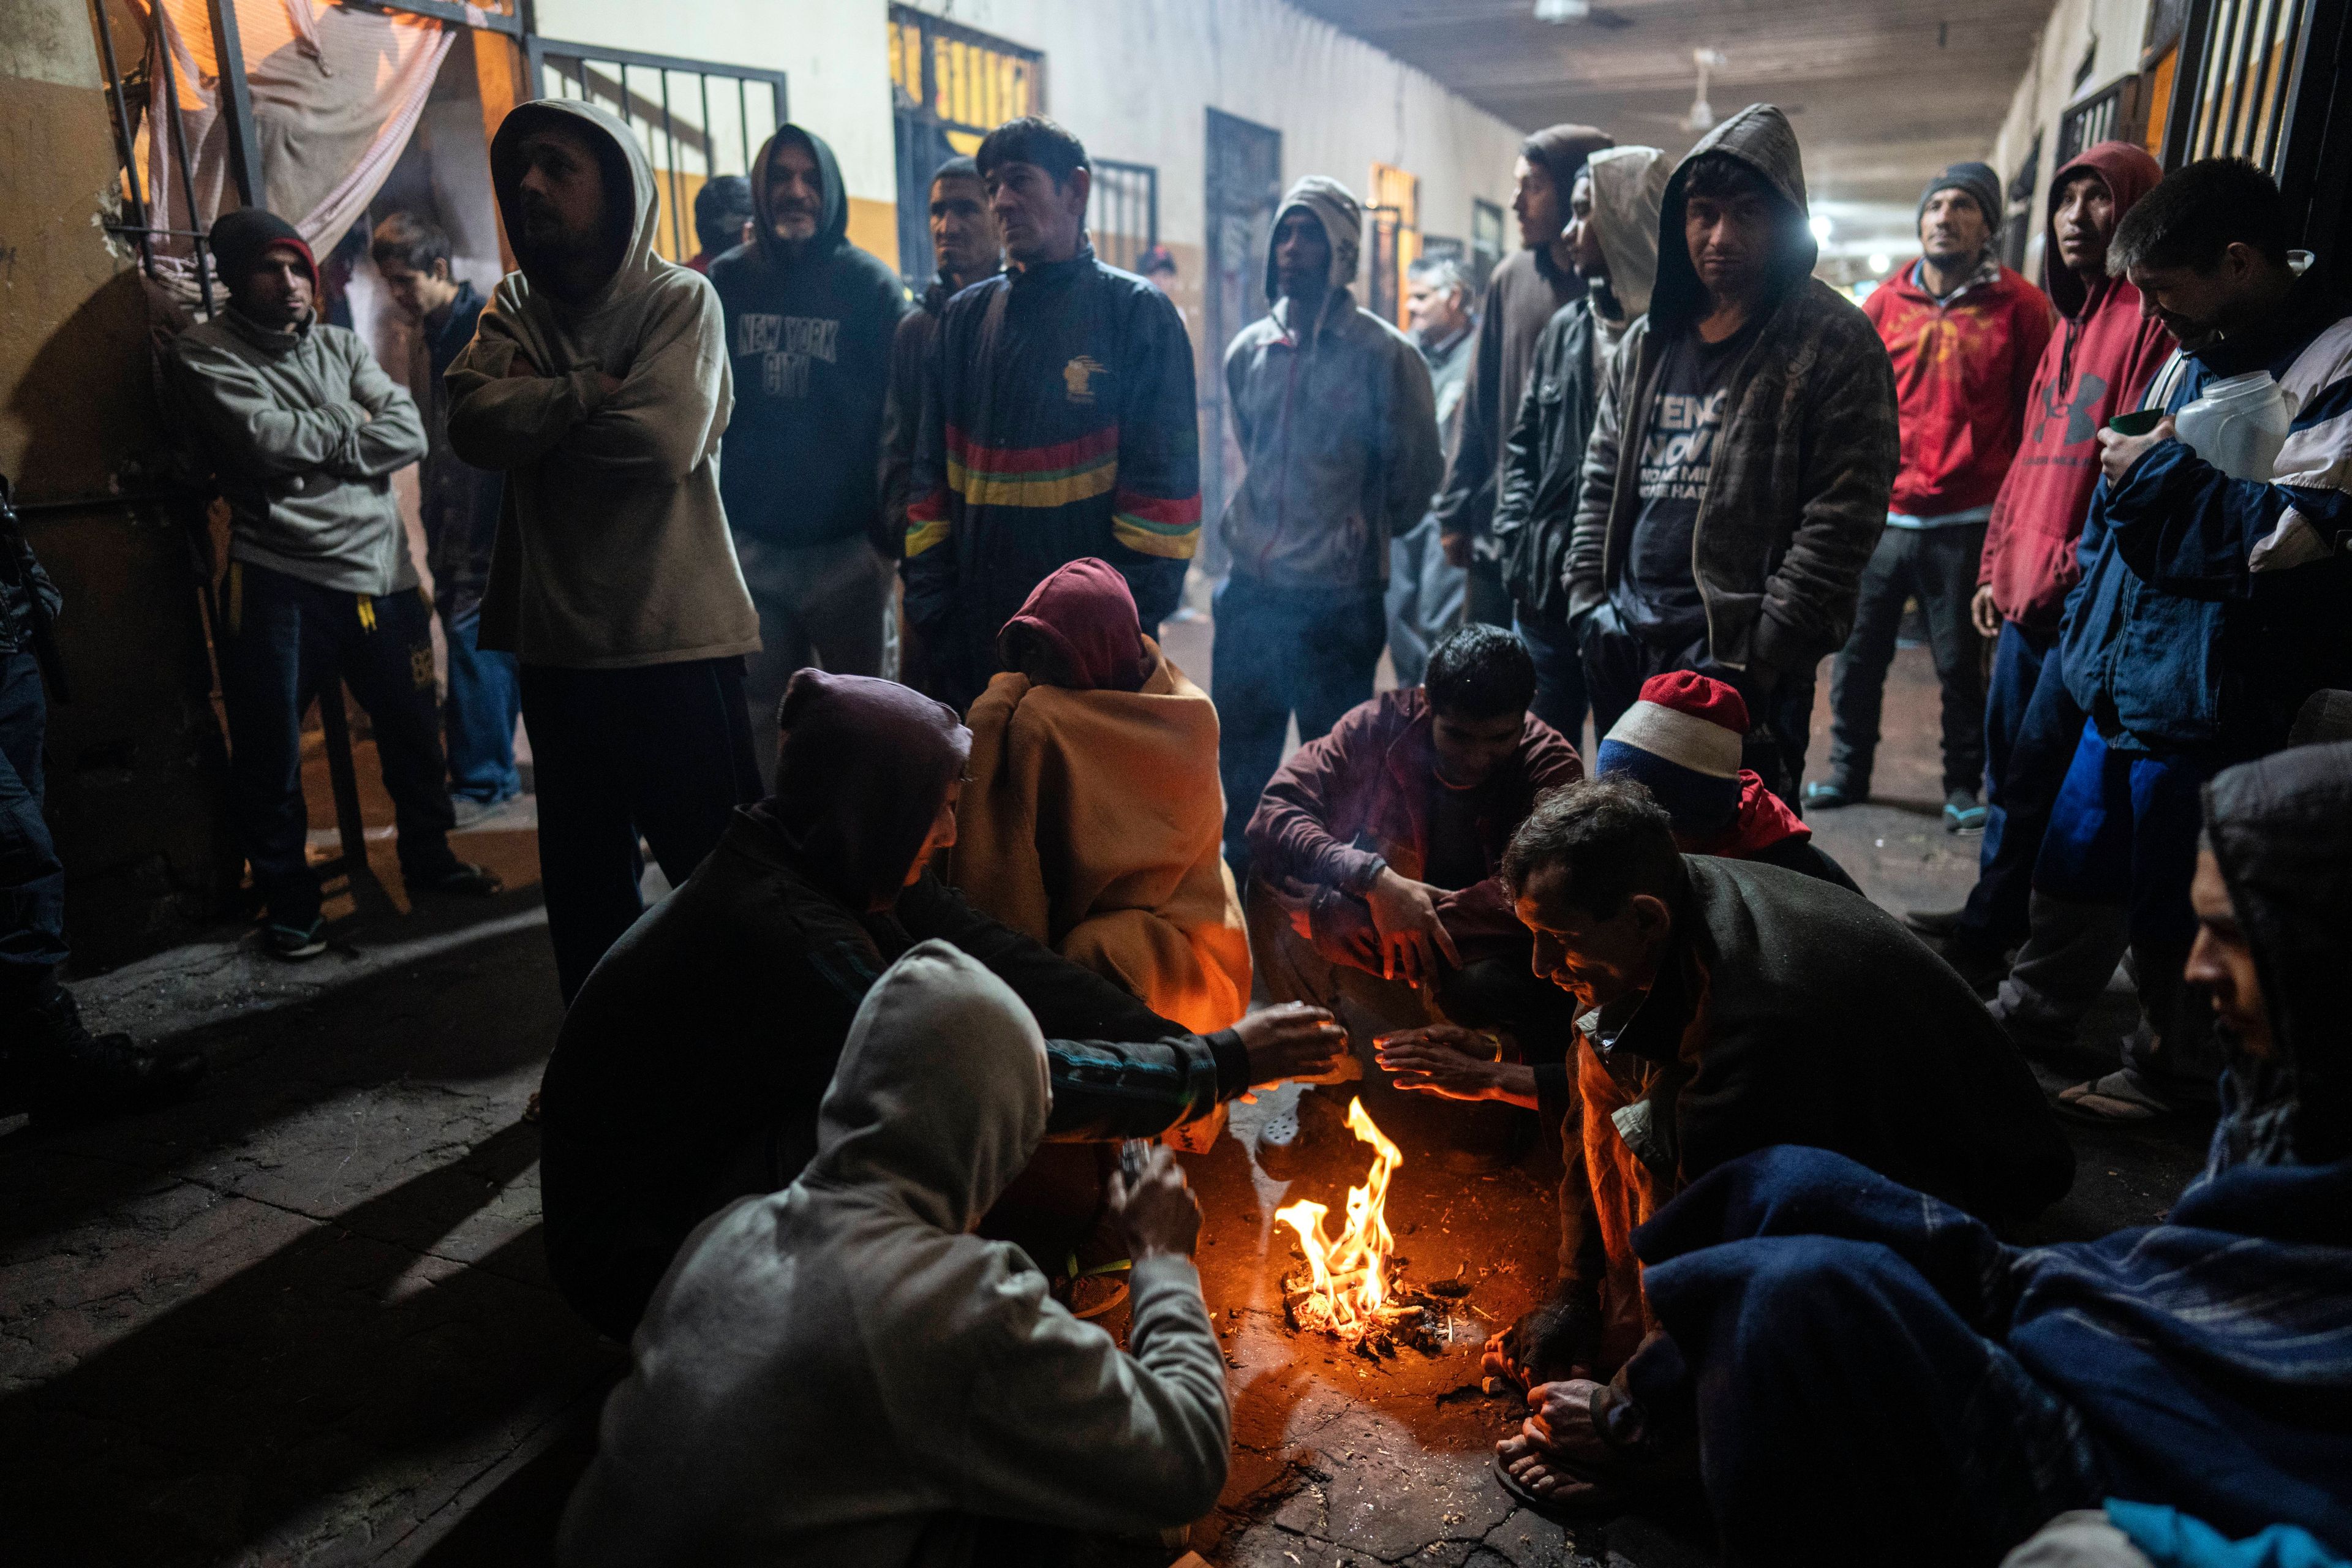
<point>613,548</point>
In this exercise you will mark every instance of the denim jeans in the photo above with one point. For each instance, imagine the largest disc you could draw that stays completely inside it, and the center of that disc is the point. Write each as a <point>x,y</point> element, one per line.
<point>32,878</point>
<point>1281,651</point>
<point>662,749</point>
<point>1425,599</point>
<point>1940,566</point>
<point>485,700</point>
<point>2031,728</point>
<point>1559,700</point>
<point>285,641</point>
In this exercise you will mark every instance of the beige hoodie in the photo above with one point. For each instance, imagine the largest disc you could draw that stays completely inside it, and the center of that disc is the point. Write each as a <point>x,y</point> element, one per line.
<point>612,550</point>
<point>839,1373</point>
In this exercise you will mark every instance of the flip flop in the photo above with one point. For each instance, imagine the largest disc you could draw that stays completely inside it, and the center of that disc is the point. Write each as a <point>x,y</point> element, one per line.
<point>1603,1499</point>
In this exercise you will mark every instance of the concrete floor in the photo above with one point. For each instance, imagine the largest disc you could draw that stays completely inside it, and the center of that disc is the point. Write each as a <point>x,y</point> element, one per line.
<point>305,1318</point>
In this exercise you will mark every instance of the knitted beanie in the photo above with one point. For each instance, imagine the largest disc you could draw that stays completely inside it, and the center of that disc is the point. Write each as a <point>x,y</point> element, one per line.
<point>1682,740</point>
<point>1975,180</point>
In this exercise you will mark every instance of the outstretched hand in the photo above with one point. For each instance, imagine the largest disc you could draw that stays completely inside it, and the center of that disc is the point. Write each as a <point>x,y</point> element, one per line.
<point>1442,1059</point>
<point>1293,1040</point>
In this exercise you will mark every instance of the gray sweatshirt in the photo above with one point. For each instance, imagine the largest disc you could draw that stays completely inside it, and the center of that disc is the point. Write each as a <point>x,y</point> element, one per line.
<point>303,430</point>
<point>1338,423</point>
<point>841,1373</point>
<point>612,550</point>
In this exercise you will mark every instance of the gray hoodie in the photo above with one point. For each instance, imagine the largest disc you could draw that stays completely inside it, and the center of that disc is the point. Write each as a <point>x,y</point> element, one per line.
<point>1337,421</point>
<point>613,548</point>
<point>841,1373</point>
<point>1807,457</point>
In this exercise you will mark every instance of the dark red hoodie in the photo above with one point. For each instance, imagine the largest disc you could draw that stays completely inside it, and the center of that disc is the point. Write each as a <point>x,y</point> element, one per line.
<point>2098,362</point>
<point>1961,368</point>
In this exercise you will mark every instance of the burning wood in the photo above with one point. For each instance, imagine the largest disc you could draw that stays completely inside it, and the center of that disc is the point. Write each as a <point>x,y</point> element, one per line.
<point>1347,1291</point>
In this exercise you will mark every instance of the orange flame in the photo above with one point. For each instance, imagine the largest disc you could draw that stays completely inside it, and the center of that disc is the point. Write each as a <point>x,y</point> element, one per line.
<point>1348,1282</point>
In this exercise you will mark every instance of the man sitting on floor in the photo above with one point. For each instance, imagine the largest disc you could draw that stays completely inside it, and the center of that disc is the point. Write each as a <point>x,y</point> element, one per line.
<point>1682,741</point>
<point>1373,861</point>
<point>688,1071</point>
<point>1092,823</point>
<point>1730,1006</point>
<point>841,1373</point>
<point>1864,1355</point>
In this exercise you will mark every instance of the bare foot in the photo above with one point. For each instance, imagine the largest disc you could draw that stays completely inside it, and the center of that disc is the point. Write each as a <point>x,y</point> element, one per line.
<point>1528,1463</point>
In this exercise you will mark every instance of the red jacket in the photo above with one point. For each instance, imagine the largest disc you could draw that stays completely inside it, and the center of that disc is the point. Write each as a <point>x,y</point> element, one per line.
<point>2099,363</point>
<point>1362,791</point>
<point>1961,370</point>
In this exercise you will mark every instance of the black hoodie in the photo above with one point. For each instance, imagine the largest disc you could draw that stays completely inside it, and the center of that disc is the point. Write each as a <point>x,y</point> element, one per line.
<point>808,332</point>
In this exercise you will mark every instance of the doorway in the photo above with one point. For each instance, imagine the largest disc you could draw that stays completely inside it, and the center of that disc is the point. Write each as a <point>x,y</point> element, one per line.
<point>1244,163</point>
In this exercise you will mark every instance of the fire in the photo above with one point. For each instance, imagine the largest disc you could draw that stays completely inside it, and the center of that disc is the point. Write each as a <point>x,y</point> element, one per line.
<point>1348,1286</point>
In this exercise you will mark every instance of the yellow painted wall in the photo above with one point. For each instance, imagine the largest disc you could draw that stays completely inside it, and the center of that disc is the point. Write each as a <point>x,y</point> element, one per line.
<point>873,226</point>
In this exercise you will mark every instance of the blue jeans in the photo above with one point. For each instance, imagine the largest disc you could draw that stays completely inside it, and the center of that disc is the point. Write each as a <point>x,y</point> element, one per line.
<point>662,749</point>
<point>1281,651</point>
<point>1559,675</point>
<point>32,878</point>
<point>485,697</point>
<point>285,641</point>
<point>1425,599</point>
<point>2032,726</point>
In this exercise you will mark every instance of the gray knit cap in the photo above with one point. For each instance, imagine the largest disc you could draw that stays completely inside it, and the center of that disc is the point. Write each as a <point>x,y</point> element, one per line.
<point>1978,181</point>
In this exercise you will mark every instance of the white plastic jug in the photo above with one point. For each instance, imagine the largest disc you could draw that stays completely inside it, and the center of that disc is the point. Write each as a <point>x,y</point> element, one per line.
<point>2238,425</point>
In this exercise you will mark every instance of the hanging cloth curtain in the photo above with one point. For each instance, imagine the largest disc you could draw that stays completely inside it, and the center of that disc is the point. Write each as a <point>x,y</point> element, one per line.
<point>336,92</point>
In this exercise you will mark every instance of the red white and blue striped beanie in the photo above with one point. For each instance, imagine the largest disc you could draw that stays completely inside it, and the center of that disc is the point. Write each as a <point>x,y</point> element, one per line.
<point>1682,740</point>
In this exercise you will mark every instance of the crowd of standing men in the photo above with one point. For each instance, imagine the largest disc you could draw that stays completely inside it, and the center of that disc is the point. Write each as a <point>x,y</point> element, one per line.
<point>847,608</point>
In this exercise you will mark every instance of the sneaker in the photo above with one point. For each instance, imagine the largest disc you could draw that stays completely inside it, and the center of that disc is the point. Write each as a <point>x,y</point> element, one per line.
<point>470,811</point>
<point>1286,1141</point>
<point>1962,814</point>
<point>1832,795</point>
<point>1935,922</point>
<point>463,880</point>
<point>295,940</point>
<point>53,1066</point>
<point>2122,1097</point>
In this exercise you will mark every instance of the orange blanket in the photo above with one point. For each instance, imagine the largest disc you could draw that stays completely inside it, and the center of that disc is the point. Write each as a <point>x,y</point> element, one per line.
<point>1092,823</point>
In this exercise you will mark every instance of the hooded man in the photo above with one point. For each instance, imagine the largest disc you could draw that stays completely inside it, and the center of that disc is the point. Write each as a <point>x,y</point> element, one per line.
<point>2211,607</point>
<point>1612,244</point>
<point>2097,365</point>
<point>1337,421</point>
<point>1860,1352</point>
<point>303,432</point>
<point>1058,422</point>
<point>1092,823</point>
<point>722,213</point>
<point>1526,291</point>
<point>1964,334</point>
<point>842,1373</point>
<point>598,383</point>
<point>1741,457</point>
<point>691,1069</point>
<point>810,320</point>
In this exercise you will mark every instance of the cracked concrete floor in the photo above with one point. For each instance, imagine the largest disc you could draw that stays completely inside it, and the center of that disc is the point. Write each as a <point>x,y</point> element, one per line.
<point>305,1318</point>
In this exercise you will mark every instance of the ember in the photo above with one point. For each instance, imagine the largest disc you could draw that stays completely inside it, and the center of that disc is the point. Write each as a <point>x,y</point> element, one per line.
<point>1347,1293</point>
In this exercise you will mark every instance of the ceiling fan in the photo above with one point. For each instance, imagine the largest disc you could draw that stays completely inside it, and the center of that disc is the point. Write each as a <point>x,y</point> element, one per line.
<point>1563,10</point>
<point>1700,116</point>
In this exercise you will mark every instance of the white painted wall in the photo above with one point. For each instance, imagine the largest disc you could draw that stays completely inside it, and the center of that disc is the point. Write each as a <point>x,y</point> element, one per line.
<point>1133,78</point>
<point>2115,30</point>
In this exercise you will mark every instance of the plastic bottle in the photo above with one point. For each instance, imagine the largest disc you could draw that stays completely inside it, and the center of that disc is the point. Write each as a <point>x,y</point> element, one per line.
<point>2238,425</point>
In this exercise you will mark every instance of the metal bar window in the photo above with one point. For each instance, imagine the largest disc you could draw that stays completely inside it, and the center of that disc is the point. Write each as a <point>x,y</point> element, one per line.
<point>1123,211</point>
<point>2246,54</point>
<point>680,121</point>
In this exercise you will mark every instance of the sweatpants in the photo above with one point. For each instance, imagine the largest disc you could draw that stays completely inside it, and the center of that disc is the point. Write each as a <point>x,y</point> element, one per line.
<point>663,751</point>
<point>2114,869</point>
<point>1940,566</point>
<point>1279,652</point>
<point>1425,598</point>
<point>827,605</point>
<point>1780,722</point>
<point>32,877</point>
<point>284,641</point>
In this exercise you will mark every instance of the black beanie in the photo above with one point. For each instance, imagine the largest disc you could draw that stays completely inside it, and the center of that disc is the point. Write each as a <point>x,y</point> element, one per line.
<point>239,238</point>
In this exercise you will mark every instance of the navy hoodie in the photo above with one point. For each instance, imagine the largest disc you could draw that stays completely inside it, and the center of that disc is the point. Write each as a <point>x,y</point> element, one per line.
<point>808,333</point>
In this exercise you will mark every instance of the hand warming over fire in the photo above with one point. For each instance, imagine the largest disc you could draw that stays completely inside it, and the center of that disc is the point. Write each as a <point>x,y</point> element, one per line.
<point>1412,938</point>
<point>1455,1063</point>
<point>1293,1040</point>
<point>1157,1213</point>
